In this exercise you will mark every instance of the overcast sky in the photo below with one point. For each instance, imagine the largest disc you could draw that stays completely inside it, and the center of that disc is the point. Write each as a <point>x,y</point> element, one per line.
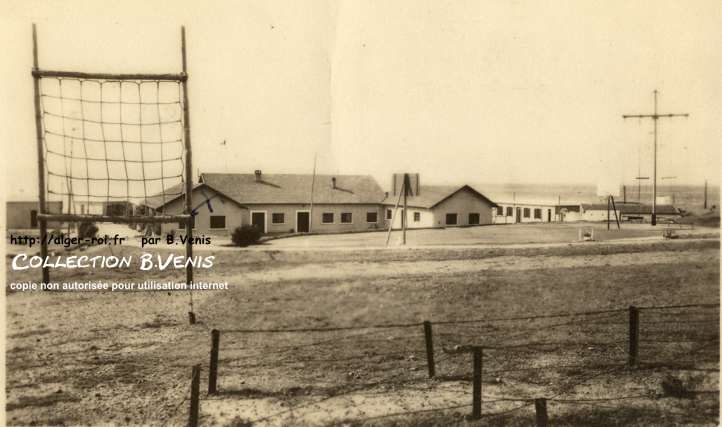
<point>459,91</point>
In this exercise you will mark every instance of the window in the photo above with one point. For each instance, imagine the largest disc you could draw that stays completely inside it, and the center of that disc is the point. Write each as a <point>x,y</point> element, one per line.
<point>473,219</point>
<point>527,212</point>
<point>218,221</point>
<point>509,211</point>
<point>537,213</point>
<point>327,218</point>
<point>388,213</point>
<point>499,211</point>
<point>417,216</point>
<point>450,219</point>
<point>346,218</point>
<point>278,218</point>
<point>372,217</point>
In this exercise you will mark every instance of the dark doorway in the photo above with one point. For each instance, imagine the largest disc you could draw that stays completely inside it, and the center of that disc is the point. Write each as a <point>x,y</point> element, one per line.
<point>518,215</point>
<point>33,218</point>
<point>549,215</point>
<point>302,222</point>
<point>473,219</point>
<point>258,219</point>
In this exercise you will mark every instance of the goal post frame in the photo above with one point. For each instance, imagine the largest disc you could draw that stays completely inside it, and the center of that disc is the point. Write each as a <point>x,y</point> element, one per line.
<point>44,216</point>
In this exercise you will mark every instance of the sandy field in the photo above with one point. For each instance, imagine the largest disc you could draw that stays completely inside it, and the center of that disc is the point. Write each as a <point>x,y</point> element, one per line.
<point>330,338</point>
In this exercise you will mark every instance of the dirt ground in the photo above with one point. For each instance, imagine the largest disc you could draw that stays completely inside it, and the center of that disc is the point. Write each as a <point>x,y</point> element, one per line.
<point>88,358</point>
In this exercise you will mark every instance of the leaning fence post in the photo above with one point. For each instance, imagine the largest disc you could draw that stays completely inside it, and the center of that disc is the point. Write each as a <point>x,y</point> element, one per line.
<point>429,348</point>
<point>541,412</point>
<point>191,318</point>
<point>195,386</point>
<point>213,366</point>
<point>476,393</point>
<point>633,335</point>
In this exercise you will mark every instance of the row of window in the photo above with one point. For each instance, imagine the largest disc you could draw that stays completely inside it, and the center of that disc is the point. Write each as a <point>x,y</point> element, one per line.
<point>347,217</point>
<point>526,212</point>
<point>327,217</point>
<point>219,221</point>
<point>390,213</point>
<point>451,218</point>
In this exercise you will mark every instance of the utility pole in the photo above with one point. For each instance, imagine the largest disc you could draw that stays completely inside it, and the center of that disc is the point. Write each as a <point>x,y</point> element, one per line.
<point>705,194</point>
<point>655,116</point>
<point>313,183</point>
<point>407,183</point>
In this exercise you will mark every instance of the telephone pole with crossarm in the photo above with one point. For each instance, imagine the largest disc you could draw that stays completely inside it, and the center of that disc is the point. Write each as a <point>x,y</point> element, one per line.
<point>655,116</point>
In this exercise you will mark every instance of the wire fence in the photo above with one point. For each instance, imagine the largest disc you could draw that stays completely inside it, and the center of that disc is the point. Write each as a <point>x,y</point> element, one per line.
<point>568,360</point>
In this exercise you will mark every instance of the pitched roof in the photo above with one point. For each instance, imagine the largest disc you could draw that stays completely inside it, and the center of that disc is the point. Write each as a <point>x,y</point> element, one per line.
<point>177,191</point>
<point>171,193</point>
<point>431,195</point>
<point>295,188</point>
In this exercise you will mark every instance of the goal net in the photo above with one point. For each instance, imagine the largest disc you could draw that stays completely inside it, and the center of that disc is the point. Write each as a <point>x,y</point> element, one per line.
<point>112,145</point>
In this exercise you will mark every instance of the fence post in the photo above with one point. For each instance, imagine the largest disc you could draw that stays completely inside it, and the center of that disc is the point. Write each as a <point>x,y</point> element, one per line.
<point>476,394</point>
<point>429,348</point>
<point>213,366</point>
<point>195,386</point>
<point>541,412</point>
<point>191,318</point>
<point>633,335</point>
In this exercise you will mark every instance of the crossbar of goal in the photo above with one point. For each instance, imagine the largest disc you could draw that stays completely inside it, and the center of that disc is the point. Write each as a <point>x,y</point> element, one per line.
<point>157,219</point>
<point>181,77</point>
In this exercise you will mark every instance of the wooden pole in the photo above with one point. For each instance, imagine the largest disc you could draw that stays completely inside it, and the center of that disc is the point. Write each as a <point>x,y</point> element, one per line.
<point>213,366</point>
<point>633,335</point>
<point>404,216</point>
<point>393,217</point>
<point>705,194</point>
<point>655,117</point>
<point>614,208</point>
<point>654,168</point>
<point>310,209</point>
<point>42,205</point>
<point>476,391</point>
<point>109,76</point>
<point>541,412</point>
<point>429,348</point>
<point>189,172</point>
<point>608,202</point>
<point>195,396</point>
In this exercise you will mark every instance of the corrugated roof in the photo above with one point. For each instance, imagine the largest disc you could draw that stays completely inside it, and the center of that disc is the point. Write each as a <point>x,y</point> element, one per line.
<point>431,195</point>
<point>295,188</point>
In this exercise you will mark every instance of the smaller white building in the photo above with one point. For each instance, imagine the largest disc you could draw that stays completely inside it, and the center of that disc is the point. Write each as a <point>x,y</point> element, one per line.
<point>440,206</point>
<point>512,213</point>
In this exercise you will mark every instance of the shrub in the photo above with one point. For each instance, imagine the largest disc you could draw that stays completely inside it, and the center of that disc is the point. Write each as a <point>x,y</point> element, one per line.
<point>246,235</point>
<point>87,230</point>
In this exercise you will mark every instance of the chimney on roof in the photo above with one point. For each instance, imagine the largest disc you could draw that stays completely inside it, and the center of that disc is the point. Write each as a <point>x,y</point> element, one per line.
<point>258,175</point>
<point>333,182</point>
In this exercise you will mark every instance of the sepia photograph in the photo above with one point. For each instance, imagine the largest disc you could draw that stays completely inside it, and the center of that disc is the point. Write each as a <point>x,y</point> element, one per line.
<point>361,213</point>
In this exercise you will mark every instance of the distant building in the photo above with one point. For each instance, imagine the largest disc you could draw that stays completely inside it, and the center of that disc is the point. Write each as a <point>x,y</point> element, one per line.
<point>23,215</point>
<point>440,206</point>
<point>632,212</point>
